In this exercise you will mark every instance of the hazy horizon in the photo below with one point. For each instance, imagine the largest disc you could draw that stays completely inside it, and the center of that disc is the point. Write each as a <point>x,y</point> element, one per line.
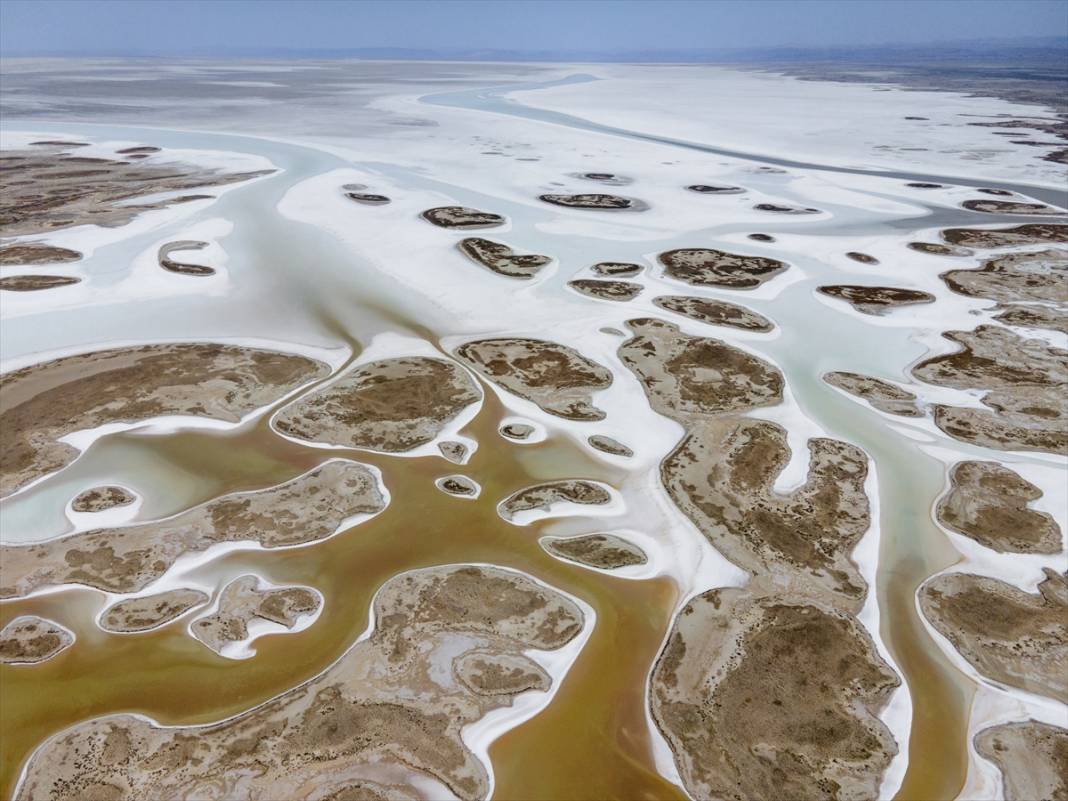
<point>468,28</point>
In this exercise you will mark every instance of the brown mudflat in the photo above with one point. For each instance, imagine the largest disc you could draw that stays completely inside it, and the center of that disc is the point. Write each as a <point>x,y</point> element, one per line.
<point>543,496</point>
<point>606,290</point>
<point>719,268</point>
<point>988,238</point>
<point>455,452</point>
<point>605,551</point>
<point>617,269</point>
<point>35,283</point>
<point>150,611</point>
<point>461,486</point>
<point>780,209</point>
<point>1032,757</point>
<point>609,445</point>
<point>241,601</point>
<point>462,217</point>
<point>391,405</point>
<point>715,189</point>
<point>376,705</point>
<point>1008,635</point>
<point>594,201</point>
<point>715,312</point>
<point>938,249</point>
<point>501,259</point>
<point>1010,207</point>
<point>43,193</point>
<point>557,378</point>
<point>98,499</point>
<point>721,476</point>
<point>516,431</point>
<point>182,268</point>
<point>1022,316</point>
<point>882,395</point>
<point>44,402</point>
<point>863,258</point>
<point>127,559</point>
<point>368,198</point>
<point>1026,379</point>
<point>36,253</point>
<point>772,698</point>
<point>990,503</point>
<point>29,639</point>
<point>686,376</point>
<point>1040,276</point>
<point>876,299</point>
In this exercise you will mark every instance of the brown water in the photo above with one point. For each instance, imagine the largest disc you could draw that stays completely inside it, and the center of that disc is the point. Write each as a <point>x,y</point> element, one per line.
<point>593,741</point>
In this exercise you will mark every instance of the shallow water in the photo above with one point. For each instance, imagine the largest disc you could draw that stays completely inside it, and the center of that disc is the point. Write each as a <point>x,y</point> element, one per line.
<point>300,286</point>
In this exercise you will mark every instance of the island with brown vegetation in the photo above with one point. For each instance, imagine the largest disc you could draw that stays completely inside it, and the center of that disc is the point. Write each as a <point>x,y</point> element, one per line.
<point>28,640</point>
<point>559,379</point>
<point>882,395</point>
<point>127,559</point>
<point>392,405</point>
<point>990,503</point>
<point>379,704</point>
<point>242,601</point>
<point>606,290</point>
<point>604,551</point>
<point>1013,637</point>
<point>718,268</point>
<point>501,259</point>
<point>44,402</point>
<point>876,299</point>
<point>148,612</point>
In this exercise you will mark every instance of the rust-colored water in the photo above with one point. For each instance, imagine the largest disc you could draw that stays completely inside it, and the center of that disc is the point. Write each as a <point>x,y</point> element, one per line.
<point>594,735</point>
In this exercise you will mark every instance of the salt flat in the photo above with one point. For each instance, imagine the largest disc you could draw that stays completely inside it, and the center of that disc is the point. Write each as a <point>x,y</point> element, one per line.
<point>304,271</point>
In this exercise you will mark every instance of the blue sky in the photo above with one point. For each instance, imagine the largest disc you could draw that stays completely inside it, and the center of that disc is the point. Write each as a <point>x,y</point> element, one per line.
<point>168,27</point>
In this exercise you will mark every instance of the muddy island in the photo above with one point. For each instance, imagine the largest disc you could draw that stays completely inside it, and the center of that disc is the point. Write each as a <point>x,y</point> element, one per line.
<point>719,268</point>
<point>29,639</point>
<point>49,190</point>
<point>182,268</point>
<point>882,395</point>
<point>990,503</point>
<point>783,667</point>
<point>1032,758</point>
<point>559,379</point>
<point>44,402</point>
<point>606,290</point>
<point>462,217</point>
<point>604,551</point>
<point>35,283</point>
<point>242,601</point>
<point>594,201</point>
<point>378,704</point>
<point>715,312</point>
<point>1008,635</point>
<point>99,499</point>
<point>150,611</point>
<point>127,559</point>
<point>543,496</point>
<point>501,259</point>
<point>616,269</point>
<point>876,299</point>
<point>392,405</point>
